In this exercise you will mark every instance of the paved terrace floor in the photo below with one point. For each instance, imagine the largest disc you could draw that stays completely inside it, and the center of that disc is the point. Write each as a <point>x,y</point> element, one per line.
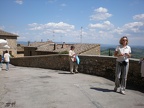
<point>25,87</point>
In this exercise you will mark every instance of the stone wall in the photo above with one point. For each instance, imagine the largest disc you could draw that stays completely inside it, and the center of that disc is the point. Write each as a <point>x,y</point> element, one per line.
<point>103,66</point>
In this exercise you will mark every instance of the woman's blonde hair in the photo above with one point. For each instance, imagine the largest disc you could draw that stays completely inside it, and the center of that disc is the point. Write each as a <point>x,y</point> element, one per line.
<point>121,40</point>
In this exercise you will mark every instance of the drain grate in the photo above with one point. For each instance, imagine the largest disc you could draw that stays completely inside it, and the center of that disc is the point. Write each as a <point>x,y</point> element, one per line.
<point>8,104</point>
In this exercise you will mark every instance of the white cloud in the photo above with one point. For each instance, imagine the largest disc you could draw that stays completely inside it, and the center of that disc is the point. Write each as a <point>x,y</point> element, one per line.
<point>19,1</point>
<point>103,32</point>
<point>133,29</point>
<point>118,30</point>
<point>139,17</point>
<point>33,24</point>
<point>60,27</point>
<point>106,31</point>
<point>134,26</point>
<point>100,14</point>
<point>101,10</point>
<point>105,25</point>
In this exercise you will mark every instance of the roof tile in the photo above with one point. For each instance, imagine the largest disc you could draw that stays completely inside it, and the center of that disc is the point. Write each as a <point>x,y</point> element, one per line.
<point>4,33</point>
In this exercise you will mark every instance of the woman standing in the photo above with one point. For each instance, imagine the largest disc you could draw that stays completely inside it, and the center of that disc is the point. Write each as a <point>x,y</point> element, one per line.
<point>72,58</point>
<point>123,53</point>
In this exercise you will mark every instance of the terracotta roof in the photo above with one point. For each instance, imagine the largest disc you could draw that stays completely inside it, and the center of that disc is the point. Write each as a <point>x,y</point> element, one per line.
<point>50,47</point>
<point>79,48</point>
<point>4,33</point>
<point>38,44</point>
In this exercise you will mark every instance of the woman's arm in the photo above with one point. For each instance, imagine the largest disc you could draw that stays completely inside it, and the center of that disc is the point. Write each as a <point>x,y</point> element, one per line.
<point>128,55</point>
<point>116,54</point>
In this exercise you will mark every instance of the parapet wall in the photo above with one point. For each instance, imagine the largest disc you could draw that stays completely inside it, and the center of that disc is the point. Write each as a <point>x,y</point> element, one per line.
<point>95,65</point>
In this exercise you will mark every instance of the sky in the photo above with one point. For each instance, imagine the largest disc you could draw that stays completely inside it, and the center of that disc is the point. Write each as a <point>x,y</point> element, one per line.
<point>78,21</point>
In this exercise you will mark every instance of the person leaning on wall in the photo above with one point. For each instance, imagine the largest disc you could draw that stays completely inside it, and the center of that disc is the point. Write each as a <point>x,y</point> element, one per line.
<point>123,53</point>
<point>72,59</point>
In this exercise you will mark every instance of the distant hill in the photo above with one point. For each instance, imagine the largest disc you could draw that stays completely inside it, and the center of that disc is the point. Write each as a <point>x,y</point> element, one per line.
<point>22,42</point>
<point>137,51</point>
<point>106,49</point>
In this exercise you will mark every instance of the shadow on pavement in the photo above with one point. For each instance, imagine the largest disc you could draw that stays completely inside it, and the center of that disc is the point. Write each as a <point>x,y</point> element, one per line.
<point>101,89</point>
<point>65,73</point>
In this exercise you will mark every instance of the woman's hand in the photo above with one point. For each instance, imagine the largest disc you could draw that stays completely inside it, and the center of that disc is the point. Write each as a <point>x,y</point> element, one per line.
<point>127,54</point>
<point>118,55</point>
<point>74,55</point>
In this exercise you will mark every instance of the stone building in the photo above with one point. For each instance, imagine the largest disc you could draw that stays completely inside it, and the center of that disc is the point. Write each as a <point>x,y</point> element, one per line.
<point>45,48</point>
<point>20,50</point>
<point>12,42</point>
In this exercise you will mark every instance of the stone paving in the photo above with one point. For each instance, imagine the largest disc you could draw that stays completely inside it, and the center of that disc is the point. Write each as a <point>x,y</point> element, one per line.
<point>25,87</point>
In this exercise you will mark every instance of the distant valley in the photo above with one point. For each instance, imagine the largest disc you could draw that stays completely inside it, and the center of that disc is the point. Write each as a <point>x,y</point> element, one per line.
<point>137,51</point>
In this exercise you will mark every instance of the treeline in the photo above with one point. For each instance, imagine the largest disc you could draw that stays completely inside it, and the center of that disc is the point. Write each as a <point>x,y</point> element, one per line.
<point>137,52</point>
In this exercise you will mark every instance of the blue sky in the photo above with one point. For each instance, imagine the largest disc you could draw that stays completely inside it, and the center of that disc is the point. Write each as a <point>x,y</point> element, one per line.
<point>80,21</point>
